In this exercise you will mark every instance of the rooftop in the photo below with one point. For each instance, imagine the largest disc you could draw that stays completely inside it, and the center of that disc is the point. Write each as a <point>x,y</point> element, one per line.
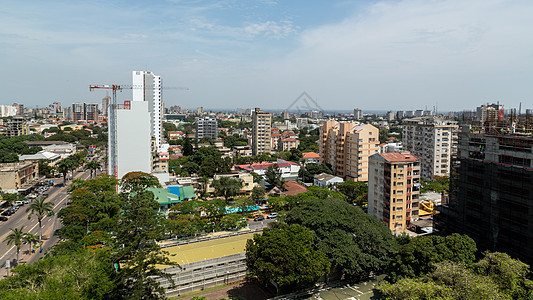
<point>399,157</point>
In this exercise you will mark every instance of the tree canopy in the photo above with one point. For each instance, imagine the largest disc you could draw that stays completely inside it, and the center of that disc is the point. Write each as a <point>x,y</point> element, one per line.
<point>286,255</point>
<point>356,243</point>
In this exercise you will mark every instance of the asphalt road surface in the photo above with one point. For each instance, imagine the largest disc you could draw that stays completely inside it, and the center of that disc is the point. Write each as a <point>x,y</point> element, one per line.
<point>57,195</point>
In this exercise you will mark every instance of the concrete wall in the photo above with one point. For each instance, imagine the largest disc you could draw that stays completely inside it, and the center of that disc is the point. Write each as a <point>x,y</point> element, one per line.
<point>133,139</point>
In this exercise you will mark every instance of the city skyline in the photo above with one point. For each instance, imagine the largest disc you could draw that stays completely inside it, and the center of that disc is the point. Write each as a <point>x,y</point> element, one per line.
<point>376,55</point>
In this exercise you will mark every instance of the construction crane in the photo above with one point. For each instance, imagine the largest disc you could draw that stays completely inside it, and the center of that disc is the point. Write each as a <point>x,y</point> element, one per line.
<point>112,121</point>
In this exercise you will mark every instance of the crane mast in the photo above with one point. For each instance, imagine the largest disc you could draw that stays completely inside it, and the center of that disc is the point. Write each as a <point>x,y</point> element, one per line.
<point>112,125</point>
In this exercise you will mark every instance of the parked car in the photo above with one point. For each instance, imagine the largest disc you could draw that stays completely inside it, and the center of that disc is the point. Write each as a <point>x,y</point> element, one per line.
<point>19,203</point>
<point>272,215</point>
<point>259,218</point>
<point>8,212</point>
<point>3,219</point>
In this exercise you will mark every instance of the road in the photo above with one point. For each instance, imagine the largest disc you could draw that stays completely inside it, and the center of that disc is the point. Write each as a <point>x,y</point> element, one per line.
<point>57,195</point>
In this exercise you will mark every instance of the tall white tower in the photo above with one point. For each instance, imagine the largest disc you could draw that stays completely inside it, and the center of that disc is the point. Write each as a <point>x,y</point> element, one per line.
<point>147,87</point>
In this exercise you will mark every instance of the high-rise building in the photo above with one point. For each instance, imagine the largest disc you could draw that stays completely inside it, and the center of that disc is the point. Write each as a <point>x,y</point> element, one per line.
<point>91,112</point>
<point>432,139</point>
<point>491,192</point>
<point>261,125</point>
<point>489,112</point>
<point>7,110</point>
<point>285,115</point>
<point>78,112</point>
<point>357,114</point>
<point>400,114</point>
<point>390,115</point>
<point>200,110</point>
<point>16,127</point>
<point>394,189</point>
<point>20,109</point>
<point>55,108</point>
<point>206,127</point>
<point>105,105</point>
<point>85,112</point>
<point>147,87</point>
<point>133,139</point>
<point>347,146</point>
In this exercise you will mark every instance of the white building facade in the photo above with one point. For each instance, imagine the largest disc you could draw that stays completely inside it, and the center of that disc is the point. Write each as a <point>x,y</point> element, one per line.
<point>433,140</point>
<point>147,87</point>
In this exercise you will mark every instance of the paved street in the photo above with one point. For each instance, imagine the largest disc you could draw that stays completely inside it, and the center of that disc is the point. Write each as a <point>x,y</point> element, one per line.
<point>56,195</point>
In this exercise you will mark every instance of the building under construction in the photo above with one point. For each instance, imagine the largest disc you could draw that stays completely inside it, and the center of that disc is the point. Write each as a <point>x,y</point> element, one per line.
<point>491,188</point>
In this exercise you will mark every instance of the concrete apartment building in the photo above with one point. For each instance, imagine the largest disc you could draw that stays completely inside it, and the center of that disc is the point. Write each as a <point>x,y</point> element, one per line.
<point>206,127</point>
<point>16,127</point>
<point>261,127</point>
<point>347,146</point>
<point>147,88</point>
<point>84,112</point>
<point>491,196</point>
<point>133,139</point>
<point>357,114</point>
<point>18,177</point>
<point>394,189</point>
<point>433,140</point>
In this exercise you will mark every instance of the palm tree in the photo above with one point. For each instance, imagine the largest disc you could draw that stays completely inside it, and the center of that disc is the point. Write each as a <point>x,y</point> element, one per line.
<point>93,165</point>
<point>63,167</point>
<point>40,208</point>
<point>15,238</point>
<point>30,238</point>
<point>204,180</point>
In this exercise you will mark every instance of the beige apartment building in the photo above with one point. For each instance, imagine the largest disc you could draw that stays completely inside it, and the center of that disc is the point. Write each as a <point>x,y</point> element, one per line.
<point>347,147</point>
<point>18,176</point>
<point>261,126</point>
<point>394,189</point>
<point>433,140</point>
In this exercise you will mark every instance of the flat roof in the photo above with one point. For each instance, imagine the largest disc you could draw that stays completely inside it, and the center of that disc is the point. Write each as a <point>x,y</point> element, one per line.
<point>399,157</point>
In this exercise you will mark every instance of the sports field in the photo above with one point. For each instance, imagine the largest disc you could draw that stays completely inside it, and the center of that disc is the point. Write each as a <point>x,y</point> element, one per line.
<point>185,254</point>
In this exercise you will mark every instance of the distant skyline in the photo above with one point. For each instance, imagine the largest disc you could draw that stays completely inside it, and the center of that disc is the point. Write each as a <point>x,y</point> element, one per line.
<point>374,55</point>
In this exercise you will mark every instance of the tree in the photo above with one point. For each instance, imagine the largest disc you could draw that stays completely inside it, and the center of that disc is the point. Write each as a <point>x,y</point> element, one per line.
<point>138,228</point>
<point>419,256</point>
<point>258,192</point>
<point>227,186</point>
<point>273,176</point>
<point>45,169</point>
<point>93,166</point>
<point>308,172</point>
<point>40,208</point>
<point>204,181</point>
<point>138,181</point>
<point>243,204</point>
<point>187,147</point>
<point>436,184</point>
<point>355,192</point>
<point>510,275</point>
<point>286,255</point>
<point>232,222</point>
<point>30,238</point>
<point>81,274</point>
<point>64,166</point>
<point>15,238</point>
<point>356,243</point>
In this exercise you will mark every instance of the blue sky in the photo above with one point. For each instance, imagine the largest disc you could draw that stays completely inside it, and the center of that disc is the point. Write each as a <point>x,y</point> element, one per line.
<point>239,54</point>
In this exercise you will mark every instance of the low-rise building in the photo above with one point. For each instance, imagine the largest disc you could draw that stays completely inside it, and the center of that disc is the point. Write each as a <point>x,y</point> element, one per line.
<point>18,177</point>
<point>310,157</point>
<point>49,157</point>
<point>325,180</point>
<point>289,169</point>
<point>288,144</point>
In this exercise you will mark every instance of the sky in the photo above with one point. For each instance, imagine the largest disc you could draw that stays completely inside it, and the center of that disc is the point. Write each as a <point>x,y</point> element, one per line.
<point>228,54</point>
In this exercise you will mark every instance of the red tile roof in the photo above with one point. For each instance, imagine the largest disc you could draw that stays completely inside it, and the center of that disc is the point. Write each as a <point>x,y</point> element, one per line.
<point>293,188</point>
<point>310,155</point>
